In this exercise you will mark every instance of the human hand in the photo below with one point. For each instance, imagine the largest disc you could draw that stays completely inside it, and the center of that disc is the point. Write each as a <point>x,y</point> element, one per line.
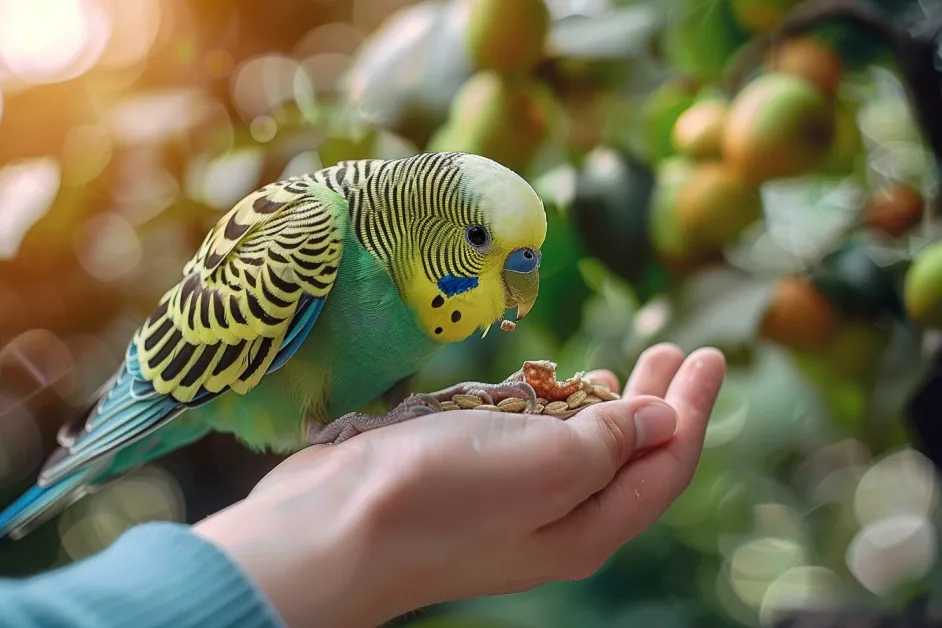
<point>469,503</point>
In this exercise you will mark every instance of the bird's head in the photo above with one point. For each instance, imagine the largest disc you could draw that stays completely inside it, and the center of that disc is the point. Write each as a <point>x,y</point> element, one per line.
<point>482,253</point>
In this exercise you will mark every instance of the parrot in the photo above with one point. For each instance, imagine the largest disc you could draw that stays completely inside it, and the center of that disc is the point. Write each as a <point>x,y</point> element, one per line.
<point>310,298</point>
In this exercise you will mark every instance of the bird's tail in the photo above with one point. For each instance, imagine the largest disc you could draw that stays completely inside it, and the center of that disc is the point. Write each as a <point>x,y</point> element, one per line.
<point>41,503</point>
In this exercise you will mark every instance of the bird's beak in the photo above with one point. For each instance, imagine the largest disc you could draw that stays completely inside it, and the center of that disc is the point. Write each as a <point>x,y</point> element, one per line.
<point>522,278</point>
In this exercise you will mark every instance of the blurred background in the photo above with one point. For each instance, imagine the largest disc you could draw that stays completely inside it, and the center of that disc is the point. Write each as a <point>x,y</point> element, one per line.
<point>705,183</point>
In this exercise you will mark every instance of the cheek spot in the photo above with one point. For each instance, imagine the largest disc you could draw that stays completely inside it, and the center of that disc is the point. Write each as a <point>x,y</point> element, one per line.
<point>455,316</point>
<point>438,330</point>
<point>438,301</point>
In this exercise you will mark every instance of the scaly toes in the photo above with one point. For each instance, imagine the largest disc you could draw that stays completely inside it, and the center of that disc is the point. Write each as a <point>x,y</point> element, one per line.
<point>421,404</point>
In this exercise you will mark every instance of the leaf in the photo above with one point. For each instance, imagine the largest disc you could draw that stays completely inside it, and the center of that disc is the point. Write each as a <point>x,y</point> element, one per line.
<point>620,34</point>
<point>719,306</point>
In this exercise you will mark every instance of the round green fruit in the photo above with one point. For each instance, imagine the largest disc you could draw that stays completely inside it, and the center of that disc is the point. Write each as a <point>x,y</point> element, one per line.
<point>698,132</point>
<point>810,59</point>
<point>894,209</point>
<point>610,210</point>
<point>858,286</point>
<point>778,126</point>
<point>759,16</point>
<point>923,287</point>
<point>507,35</point>
<point>668,237</point>
<point>847,146</point>
<point>492,116</point>
<point>659,113</point>
<point>715,205</point>
<point>799,316</point>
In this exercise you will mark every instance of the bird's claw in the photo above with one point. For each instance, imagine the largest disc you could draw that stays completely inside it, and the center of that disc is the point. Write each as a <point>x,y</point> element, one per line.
<point>353,423</point>
<point>491,394</point>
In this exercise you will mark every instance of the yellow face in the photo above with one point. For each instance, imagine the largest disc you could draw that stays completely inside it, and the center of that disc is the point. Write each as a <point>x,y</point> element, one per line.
<point>500,240</point>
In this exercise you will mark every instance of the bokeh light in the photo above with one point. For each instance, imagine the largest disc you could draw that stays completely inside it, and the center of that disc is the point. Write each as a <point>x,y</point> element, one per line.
<point>50,40</point>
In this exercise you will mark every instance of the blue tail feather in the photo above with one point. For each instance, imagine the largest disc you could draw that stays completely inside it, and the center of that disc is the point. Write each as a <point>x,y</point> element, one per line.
<point>128,410</point>
<point>41,502</point>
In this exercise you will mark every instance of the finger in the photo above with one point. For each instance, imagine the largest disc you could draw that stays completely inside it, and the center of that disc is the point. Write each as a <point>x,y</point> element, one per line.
<point>642,490</point>
<point>603,376</point>
<point>693,394</point>
<point>608,433</point>
<point>654,370</point>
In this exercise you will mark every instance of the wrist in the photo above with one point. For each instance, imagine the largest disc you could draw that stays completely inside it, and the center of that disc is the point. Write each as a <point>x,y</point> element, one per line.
<point>315,571</point>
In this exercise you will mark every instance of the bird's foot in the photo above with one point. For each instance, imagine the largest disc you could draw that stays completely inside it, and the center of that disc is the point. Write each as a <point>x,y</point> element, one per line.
<point>419,404</point>
<point>353,423</point>
<point>491,394</point>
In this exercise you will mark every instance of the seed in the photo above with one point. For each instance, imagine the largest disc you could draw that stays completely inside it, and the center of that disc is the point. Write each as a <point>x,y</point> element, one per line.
<point>587,385</point>
<point>590,400</point>
<point>605,395</point>
<point>539,409</point>
<point>541,401</point>
<point>601,386</point>
<point>508,325</point>
<point>512,405</point>
<point>555,407</point>
<point>467,401</point>
<point>575,399</point>
<point>485,406</point>
<point>449,405</point>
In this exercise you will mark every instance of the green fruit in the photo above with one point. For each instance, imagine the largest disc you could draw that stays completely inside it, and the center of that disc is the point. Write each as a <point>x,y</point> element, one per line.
<point>660,112</point>
<point>923,287</point>
<point>668,237</point>
<point>847,145</point>
<point>698,132</point>
<point>609,209</point>
<point>810,59</point>
<point>507,35</point>
<point>504,120</point>
<point>760,16</point>
<point>799,316</point>
<point>715,205</point>
<point>855,349</point>
<point>778,126</point>
<point>857,285</point>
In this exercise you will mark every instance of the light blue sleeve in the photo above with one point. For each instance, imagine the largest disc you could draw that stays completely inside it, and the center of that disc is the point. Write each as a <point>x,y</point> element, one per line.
<point>155,574</point>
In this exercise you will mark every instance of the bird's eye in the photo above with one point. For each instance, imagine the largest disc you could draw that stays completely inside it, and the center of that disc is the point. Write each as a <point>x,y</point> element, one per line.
<point>477,235</point>
<point>527,254</point>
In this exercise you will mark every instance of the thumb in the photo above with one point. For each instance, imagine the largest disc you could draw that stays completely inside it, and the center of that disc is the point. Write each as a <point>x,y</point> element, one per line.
<point>614,430</point>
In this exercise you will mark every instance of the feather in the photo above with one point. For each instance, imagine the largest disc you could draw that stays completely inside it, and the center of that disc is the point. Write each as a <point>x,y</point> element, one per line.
<point>211,334</point>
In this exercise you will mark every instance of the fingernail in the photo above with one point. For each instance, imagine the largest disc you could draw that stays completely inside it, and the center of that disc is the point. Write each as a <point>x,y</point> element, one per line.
<point>655,423</point>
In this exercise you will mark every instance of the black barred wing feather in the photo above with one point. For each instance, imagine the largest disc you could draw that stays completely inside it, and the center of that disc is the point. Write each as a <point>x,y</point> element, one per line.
<point>222,326</point>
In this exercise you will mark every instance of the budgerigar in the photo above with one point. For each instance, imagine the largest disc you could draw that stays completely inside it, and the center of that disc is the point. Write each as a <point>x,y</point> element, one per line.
<point>309,299</point>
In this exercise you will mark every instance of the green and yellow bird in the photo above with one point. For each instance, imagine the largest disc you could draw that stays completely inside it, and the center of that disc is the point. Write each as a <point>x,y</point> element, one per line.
<point>308,300</point>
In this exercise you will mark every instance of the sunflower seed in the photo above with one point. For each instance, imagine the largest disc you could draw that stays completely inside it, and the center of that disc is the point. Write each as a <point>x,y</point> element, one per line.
<point>575,399</point>
<point>467,401</point>
<point>556,407</point>
<point>512,405</point>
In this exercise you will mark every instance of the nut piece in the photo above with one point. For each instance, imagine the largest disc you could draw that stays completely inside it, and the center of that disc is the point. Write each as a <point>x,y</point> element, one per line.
<point>449,405</point>
<point>506,325</point>
<point>467,402</point>
<point>591,400</point>
<point>512,404</point>
<point>575,399</point>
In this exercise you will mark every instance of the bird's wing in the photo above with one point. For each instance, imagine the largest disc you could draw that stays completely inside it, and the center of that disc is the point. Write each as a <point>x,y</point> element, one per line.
<point>248,299</point>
